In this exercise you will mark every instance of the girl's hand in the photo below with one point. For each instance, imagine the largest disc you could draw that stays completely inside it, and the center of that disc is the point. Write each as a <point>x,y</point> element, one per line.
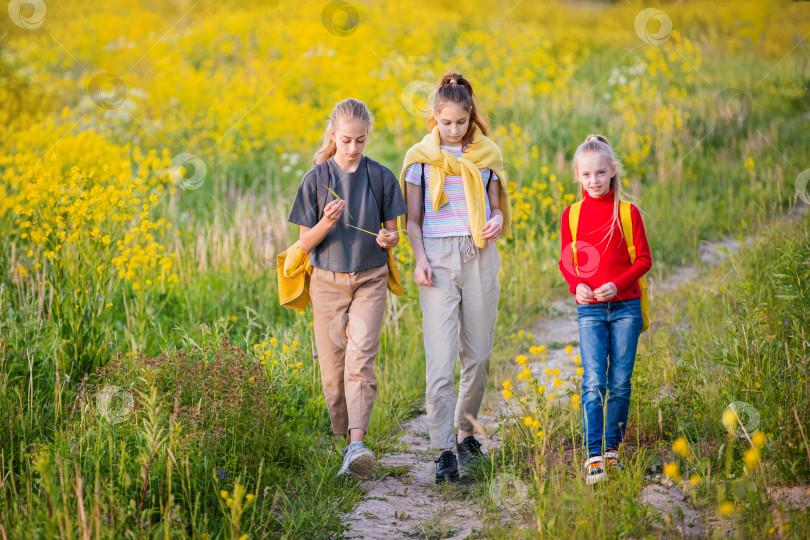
<point>387,239</point>
<point>584,294</point>
<point>423,274</point>
<point>606,291</point>
<point>333,210</point>
<point>492,229</point>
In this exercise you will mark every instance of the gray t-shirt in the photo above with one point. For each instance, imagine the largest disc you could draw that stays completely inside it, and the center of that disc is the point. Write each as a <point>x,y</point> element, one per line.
<point>345,249</point>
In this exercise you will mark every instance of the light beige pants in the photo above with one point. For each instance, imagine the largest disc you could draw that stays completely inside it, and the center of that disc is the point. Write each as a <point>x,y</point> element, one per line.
<point>347,312</point>
<point>458,312</point>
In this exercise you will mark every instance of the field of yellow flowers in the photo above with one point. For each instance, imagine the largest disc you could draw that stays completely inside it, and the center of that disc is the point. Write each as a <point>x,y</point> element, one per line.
<point>148,155</point>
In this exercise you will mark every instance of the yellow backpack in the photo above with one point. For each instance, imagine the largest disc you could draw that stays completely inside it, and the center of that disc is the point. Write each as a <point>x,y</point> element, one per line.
<point>627,229</point>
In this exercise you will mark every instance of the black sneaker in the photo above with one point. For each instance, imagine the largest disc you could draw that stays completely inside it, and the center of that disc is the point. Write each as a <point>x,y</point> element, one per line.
<point>469,451</point>
<point>446,467</point>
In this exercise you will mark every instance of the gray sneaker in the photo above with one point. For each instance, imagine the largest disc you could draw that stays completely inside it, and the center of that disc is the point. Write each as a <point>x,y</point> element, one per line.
<point>358,461</point>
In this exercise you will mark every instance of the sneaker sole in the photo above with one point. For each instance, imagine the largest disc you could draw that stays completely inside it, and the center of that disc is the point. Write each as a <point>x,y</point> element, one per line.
<point>595,478</point>
<point>447,478</point>
<point>363,465</point>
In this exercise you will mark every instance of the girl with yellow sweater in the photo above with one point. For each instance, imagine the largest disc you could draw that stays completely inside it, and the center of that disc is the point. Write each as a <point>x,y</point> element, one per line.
<point>457,208</point>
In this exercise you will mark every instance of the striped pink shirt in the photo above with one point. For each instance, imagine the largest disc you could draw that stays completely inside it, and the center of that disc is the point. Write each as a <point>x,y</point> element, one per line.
<point>451,219</point>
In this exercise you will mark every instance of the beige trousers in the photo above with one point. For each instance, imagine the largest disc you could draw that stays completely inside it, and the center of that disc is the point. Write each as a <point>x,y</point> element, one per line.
<point>458,313</point>
<point>348,310</point>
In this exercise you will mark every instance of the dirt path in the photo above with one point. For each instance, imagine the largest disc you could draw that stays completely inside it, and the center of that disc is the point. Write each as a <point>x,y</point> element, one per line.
<point>403,500</point>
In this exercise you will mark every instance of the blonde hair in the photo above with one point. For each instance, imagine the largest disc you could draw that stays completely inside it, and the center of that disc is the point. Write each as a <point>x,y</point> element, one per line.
<point>348,109</point>
<point>598,144</point>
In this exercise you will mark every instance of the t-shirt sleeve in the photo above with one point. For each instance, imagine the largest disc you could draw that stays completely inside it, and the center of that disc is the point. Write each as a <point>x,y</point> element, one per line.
<point>413,174</point>
<point>305,206</point>
<point>489,174</point>
<point>393,201</point>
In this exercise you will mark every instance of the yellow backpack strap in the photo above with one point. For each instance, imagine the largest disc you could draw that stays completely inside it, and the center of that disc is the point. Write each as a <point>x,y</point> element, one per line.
<point>627,228</point>
<point>573,222</point>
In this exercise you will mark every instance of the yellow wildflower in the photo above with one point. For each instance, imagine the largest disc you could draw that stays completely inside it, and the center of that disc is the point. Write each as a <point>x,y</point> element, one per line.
<point>751,458</point>
<point>729,418</point>
<point>672,470</point>
<point>681,447</point>
<point>726,508</point>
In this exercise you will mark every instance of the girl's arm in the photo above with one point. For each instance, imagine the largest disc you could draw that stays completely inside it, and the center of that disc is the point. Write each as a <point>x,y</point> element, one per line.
<point>576,285</point>
<point>311,237</point>
<point>492,229</point>
<point>643,261</point>
<point>422,274</point>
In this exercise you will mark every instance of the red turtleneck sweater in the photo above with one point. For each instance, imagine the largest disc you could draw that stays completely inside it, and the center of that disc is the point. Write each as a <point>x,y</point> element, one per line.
<point>602,260</point>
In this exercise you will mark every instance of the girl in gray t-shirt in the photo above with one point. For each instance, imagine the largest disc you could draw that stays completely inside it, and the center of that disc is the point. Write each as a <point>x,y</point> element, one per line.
<point>349,270</point>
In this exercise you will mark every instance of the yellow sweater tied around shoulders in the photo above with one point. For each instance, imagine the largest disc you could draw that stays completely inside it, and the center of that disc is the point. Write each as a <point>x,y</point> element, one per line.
<point>483,153</point>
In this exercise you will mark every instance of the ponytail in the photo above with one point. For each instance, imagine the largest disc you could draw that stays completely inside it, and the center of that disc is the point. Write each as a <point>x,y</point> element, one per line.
<point>348,109</point>
<point>454,88</point>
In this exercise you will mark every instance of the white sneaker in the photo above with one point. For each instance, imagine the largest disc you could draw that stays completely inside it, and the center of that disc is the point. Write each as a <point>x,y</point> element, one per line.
<point>595,470</point>
<point>358,461</point>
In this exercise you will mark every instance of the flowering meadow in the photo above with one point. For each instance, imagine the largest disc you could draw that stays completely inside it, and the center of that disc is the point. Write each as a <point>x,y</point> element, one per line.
<point>151,385</point>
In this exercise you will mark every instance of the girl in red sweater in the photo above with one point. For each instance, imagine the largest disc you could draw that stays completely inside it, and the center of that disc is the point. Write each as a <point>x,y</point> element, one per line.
<point>599,273</point>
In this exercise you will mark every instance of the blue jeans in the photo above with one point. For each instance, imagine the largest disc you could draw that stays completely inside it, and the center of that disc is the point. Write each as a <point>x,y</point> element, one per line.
<point>607,330</point>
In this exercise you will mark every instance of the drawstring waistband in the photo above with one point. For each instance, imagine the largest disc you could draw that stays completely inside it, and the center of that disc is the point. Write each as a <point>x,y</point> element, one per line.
<point>467,248</point>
